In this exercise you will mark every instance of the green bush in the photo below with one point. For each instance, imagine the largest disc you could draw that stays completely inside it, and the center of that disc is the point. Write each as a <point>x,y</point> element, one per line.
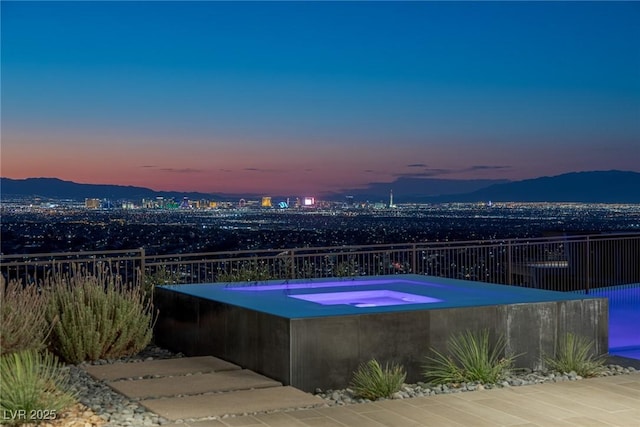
<point>23,324</point>
<point>575,353</point>
<point>372,381</point>
<point>471,358</point>
<point>159,276</point>
<point>253,271</point>
<point>346,269</point>
<point>99,316</point>
<point>34,387</point>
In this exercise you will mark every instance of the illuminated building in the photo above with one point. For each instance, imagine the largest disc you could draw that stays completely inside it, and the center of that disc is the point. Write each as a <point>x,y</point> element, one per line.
<point>92,203</point>
<point>266,202</point>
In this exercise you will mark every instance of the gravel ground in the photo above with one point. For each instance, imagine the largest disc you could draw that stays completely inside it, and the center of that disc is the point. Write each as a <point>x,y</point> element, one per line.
<point>100,406</point>
<point>114,409</point>
<point>347,396</point>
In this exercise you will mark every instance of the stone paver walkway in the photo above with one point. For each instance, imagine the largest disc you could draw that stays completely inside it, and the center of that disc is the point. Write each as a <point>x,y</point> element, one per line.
<point>195,384</point>
<point>160,368</point>
<point>236,402</point>
<point>199,387</point>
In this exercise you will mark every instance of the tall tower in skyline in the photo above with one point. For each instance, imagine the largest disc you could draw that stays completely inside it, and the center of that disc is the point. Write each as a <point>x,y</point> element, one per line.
<point>391,198</point>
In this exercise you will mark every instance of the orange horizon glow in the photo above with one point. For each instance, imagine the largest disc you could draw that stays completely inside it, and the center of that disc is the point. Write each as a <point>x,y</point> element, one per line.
<point>240,167</point>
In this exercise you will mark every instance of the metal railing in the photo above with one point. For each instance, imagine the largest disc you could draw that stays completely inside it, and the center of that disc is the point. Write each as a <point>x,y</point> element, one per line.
<point>32,268</point>
<point>563,263</point>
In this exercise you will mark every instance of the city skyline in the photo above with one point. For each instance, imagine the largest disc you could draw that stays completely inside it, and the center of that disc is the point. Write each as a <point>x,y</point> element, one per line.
<point>316,97</point>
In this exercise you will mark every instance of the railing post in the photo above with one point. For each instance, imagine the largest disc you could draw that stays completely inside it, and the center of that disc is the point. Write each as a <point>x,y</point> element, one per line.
<point>142,266</point>
<point>588,261</point>
<point>509,264</point>
<point>292,274</point>
<point>413,259</point>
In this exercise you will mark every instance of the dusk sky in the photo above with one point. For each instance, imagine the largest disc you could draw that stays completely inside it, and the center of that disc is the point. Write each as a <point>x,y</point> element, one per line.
<point>302,98</point>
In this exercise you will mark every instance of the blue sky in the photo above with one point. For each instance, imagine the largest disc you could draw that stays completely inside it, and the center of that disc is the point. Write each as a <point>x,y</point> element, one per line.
<point>310,97</point>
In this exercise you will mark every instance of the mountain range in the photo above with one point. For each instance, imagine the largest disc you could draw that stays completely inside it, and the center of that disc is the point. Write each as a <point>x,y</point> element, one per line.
<point>590,187</point>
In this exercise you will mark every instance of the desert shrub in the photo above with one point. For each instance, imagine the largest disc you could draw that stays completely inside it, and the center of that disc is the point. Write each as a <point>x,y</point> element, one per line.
<point>575,353</point>
<point>346,269</point>
<point>23,324</point>
<point>160,276</point>
<point>304,269</point>
<point>34,387</point>
<point>471,358</point>
<point>99,316</point>
<point>251,271</point>
<point>372,381</point>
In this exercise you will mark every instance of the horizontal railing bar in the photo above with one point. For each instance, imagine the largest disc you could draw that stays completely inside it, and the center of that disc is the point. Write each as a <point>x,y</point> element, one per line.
<point>70,254</point>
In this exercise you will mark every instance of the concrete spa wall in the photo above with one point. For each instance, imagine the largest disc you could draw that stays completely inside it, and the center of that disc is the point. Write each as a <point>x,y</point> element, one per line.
<point>324,352</point>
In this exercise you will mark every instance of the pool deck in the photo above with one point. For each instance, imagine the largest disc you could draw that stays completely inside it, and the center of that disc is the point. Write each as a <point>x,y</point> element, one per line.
<point>604,401</point>
<point>612,401</point>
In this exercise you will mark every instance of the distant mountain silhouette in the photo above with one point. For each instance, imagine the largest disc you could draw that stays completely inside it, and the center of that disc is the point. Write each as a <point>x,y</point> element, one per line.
<point>54,188</point>
<point>589,187</point>
<point>415,189</point>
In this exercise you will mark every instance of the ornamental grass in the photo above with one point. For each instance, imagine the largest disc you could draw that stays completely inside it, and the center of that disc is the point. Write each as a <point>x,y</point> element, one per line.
<point>575,354</point>
<point>35,388</point>
<point>472,358</point>
<point>99,316</point>
<point>372,381</point>
<point>23,323</point>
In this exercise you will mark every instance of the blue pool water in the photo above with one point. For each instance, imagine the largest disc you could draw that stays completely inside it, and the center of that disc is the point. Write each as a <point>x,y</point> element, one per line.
<point>373,298</point>
<point>308,298</point>
<point>624,319</point>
